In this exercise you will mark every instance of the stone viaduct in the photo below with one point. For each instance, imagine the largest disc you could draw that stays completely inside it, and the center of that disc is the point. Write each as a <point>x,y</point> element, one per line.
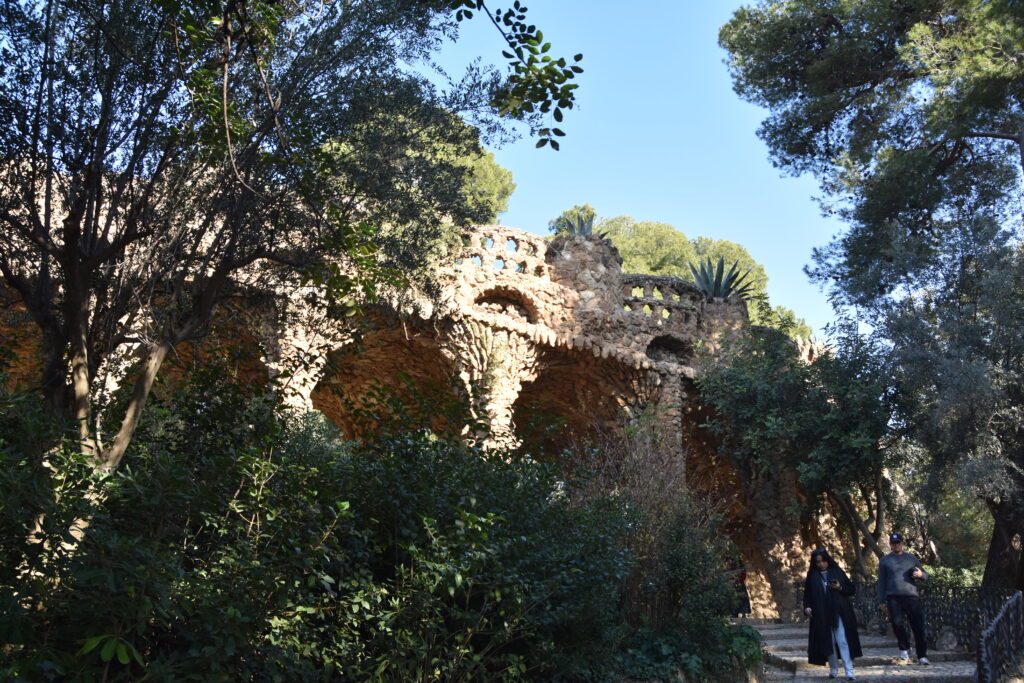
<point>534,327</point>
<point>529,327</point>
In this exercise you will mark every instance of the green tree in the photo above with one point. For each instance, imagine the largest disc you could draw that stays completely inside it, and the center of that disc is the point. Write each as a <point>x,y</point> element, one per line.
<point>490,185</point>
<point>650,247</point>
<point>168,156</point>
<point>823,419</point>
<point>910,115</point>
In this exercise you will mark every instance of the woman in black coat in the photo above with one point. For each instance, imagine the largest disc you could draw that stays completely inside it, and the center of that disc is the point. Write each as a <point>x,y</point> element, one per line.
<point>833,623</point>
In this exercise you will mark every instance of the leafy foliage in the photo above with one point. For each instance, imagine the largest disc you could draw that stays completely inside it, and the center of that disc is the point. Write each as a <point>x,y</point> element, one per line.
<point>538,83</point>
<point>910,116</point>
<point>241,543</point>
<point>650,247</point>
<point>679,593</point>
<point>186,152</point>
<point>827,420</point>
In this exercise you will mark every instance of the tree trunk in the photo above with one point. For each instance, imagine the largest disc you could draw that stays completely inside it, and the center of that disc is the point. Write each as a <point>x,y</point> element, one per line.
<point>1003,568</point>
<point>849,508</point>
<point>111,456</point>
<point>54,376</point>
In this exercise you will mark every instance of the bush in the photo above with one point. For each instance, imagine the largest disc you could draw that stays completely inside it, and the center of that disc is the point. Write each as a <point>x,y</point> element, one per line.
<point>241,543</point>
<point>679,596</point>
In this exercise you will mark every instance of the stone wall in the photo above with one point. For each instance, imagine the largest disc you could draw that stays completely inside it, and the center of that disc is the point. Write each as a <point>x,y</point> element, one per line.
<point>527,326</point>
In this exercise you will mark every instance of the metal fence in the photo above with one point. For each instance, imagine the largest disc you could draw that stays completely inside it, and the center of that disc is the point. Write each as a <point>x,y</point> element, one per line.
<point>1001,642</point>
<point>963,611</point>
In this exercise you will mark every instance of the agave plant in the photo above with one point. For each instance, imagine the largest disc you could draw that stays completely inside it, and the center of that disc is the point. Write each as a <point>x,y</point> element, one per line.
<point>583,225</point>
<point>715,282</point>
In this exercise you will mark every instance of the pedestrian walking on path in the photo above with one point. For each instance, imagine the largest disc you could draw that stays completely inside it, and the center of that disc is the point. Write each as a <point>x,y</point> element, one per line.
<point>898,574</point>
<point>833,631</point>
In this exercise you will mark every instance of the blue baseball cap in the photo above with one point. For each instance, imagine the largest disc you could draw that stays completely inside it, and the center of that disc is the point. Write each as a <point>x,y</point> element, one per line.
<point>896,538</point>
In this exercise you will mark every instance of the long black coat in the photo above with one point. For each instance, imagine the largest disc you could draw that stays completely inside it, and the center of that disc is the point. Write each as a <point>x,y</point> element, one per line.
<point>827,606</point>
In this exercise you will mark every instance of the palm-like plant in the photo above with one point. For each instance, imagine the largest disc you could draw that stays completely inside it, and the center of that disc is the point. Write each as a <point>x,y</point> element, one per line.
<point>714,281</point>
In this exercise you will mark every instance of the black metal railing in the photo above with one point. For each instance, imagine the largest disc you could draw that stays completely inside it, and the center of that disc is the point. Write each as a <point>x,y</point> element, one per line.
<point>865,602</point>
<point>1001,642</point>
<point>964,610</point>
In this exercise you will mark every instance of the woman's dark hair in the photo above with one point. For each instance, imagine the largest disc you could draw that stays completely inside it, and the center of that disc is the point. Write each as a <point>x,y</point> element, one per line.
<point>820,552</point>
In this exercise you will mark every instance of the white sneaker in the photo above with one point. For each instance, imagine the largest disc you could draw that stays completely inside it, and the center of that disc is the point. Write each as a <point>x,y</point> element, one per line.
<point>904,655</point>
<point>923,660</point>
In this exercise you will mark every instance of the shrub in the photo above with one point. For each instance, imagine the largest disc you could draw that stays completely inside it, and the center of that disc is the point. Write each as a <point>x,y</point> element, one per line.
<point>239,542</point>
<point>680,592</point>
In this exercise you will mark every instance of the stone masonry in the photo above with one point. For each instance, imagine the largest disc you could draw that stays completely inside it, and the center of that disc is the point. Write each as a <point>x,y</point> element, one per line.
<point>530,326</point>
<point>524,321</point>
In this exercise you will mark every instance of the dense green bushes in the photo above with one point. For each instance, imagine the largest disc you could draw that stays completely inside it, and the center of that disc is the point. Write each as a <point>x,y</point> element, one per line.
<point>241,543</point>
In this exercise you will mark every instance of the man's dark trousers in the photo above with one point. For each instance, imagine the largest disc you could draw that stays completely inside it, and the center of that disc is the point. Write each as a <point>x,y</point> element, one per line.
<point>904,608</point>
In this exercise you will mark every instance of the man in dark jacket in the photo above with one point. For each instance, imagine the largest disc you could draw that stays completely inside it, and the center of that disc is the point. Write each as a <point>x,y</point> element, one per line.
<point>898,574</point>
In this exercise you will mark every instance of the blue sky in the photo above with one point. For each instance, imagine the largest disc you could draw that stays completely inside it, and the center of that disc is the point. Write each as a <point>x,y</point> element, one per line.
<point>659,135</point>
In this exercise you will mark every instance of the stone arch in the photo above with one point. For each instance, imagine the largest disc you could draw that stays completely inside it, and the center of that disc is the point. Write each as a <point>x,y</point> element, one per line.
<point>575,397</point>
<point>403,360</point>
<point>666,348</point>
<point>507,301</point>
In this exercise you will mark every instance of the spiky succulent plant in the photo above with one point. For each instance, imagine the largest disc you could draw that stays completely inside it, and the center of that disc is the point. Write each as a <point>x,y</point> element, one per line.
<point>583,225</point>
<point>714,281</point>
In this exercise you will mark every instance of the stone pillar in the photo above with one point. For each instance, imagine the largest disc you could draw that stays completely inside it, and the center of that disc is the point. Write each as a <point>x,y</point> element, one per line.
<point>492,365</point>
<point>669,407</point>
<point>296,345</point>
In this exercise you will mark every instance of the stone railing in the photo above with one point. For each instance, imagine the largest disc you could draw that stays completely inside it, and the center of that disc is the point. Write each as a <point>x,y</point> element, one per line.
<point>669,298</point>
<point>504,249</point>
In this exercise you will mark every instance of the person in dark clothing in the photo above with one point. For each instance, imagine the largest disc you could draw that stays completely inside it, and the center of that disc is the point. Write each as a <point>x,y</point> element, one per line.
<point>741,604</point>
<point>898,574</point>
<point>833,633</point>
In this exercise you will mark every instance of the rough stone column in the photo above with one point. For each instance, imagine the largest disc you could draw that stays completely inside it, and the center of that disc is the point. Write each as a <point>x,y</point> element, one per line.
<point>296,343</point>
<point>493,364</point>
<point>670,412</point>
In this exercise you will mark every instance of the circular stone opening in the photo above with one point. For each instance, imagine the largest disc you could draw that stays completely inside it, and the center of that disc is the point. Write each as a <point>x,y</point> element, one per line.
<point>668,349</point>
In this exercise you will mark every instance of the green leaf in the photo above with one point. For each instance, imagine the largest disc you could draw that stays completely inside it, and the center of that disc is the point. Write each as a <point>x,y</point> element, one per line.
<point>107,653</point>
<point>91,643</point>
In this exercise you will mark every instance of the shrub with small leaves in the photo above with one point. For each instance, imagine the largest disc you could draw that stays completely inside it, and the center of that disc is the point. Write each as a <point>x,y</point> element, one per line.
<point>240,542</point>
